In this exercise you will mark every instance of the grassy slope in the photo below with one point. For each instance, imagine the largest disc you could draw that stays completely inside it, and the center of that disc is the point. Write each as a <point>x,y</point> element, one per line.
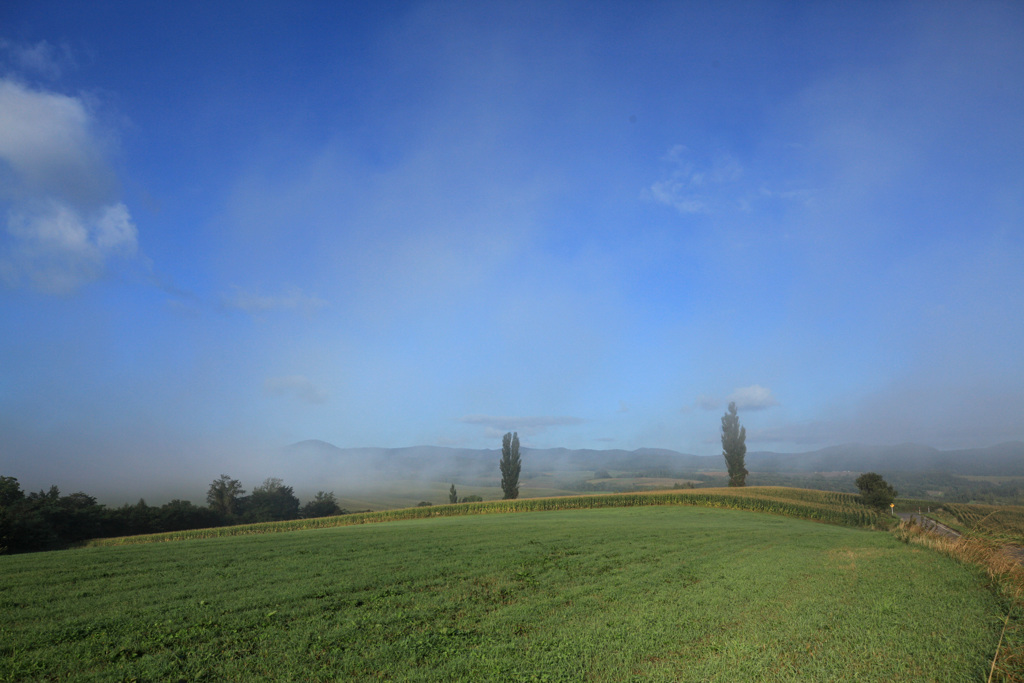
<point>663,593</point>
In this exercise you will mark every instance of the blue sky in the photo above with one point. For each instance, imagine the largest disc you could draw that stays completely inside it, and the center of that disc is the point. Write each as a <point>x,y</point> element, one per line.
<point>231,226</point>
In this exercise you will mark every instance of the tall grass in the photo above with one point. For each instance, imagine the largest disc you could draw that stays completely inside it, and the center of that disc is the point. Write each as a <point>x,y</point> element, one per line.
<point>823,506</point>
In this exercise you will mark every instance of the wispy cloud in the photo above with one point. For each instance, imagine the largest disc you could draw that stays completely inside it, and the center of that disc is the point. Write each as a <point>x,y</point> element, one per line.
<point>295,386</point>
<point>706,402</point>
<point>63,222</point>
<point>694,188</point>
<point>720,183</point>
<point>292,299</point>
<point>527,425</point>
<point>42,58</point>
<point>754,397</point>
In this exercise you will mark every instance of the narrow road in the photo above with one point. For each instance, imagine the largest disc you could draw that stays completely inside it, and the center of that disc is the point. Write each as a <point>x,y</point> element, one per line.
<point>929,524</point>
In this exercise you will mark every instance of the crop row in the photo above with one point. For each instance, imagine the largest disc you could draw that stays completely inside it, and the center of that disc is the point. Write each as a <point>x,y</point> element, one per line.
<point>834,508</point>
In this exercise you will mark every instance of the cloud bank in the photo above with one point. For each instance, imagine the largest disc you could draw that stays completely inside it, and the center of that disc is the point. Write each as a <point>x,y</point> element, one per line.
<point>295,386</point>
<point>527,425</point>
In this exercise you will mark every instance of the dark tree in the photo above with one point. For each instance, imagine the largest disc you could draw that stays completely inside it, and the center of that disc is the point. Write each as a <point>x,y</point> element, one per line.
<point>129,520</point>
<point>224,494</point>
<point>10,492</point>
<point>272,501</point>
<point>510,465</point>
<point>734,447</point>
<point>182,514</point>
<point>323,505</point>
<point>12,500</point>
<point>453,495</point>
<point>874,491</point>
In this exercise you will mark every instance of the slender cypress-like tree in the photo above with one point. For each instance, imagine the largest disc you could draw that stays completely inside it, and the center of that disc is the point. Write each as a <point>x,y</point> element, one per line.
<point>453,495</point>
<point>510,465</point>
<point>734,447</point>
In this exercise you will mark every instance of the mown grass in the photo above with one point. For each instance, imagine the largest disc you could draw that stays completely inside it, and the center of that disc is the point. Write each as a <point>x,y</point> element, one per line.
<point>654,593</point>
<point>825,506</point>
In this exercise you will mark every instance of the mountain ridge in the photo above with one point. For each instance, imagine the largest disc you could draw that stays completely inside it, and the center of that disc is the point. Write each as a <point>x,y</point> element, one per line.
<point>1003,459</point>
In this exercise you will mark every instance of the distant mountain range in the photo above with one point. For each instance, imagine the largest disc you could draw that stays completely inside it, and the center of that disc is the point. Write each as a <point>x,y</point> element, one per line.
<point>442,463</point>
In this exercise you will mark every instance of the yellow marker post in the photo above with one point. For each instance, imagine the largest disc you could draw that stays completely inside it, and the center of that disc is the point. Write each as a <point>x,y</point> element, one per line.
<point>891,506</point>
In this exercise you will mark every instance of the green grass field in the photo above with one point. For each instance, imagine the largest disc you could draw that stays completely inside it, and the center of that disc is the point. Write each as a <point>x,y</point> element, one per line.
<point>653,593</point>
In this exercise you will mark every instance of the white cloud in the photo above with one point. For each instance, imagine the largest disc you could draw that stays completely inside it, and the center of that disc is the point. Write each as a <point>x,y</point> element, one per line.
<point>50,144</point>
<point>63,219</point>
<point>754,397</point>
<point>295,386</point>
<point>293,299</point>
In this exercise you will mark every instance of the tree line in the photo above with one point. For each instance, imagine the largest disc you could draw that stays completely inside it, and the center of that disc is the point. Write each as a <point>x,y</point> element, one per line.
<point>48,520</point>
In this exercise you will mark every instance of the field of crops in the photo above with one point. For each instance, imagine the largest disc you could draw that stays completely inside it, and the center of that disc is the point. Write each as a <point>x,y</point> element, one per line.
<point>824,506</point>
<point>663,593</point>
<point>1003,523</point>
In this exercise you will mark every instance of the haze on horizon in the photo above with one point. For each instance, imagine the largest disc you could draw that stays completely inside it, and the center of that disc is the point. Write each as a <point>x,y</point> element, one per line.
<point>225,228</point>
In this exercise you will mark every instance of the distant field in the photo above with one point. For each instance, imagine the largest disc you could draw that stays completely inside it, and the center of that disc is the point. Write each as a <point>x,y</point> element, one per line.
<point>401,494</point>
<point>647,482</point>
<point>655,593</point>
<point>826,506</point>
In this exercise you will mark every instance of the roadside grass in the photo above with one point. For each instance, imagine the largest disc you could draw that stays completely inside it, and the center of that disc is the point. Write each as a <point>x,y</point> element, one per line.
<point>1003,523</point>
<point>668,593</point>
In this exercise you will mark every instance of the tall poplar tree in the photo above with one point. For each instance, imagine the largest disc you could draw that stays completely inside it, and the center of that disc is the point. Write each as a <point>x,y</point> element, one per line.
<point>734,446</point>
<point>510,465</point>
